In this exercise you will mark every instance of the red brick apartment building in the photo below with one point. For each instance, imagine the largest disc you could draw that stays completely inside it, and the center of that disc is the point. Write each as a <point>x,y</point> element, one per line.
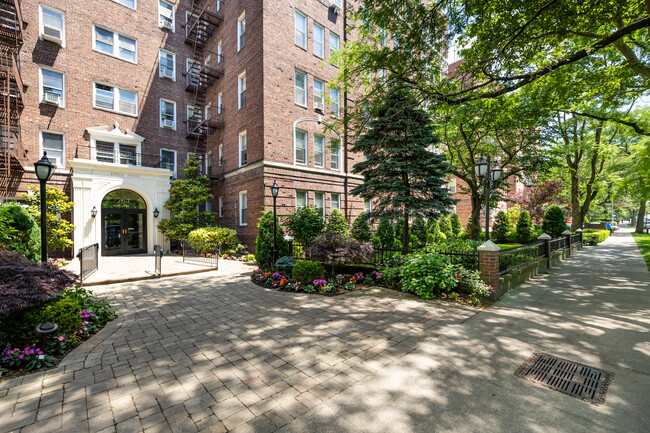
<point>120,92</point>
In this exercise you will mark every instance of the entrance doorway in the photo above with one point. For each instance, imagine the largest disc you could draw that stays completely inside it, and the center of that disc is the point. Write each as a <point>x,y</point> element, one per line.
<point>124,225</point>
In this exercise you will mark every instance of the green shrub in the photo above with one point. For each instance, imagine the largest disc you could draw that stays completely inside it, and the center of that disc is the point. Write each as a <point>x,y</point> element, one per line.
<point>524,227</point>
<point>554,223</point>
<point>398,230</point>
<point>376,242</point>
<point>414,242</point>
<point>594,236</point>
<point>264,240</point>
<point>390,276</point>
<point>25,235</point>
<point>305,224</point>
<point>225,236</point>
<point>306,271</point>
<point>513,215</point>
<point>501,227</point>
<point>426,274</point>
<point>431,239</point>
<point>336,223</point>
<point>445,227</point>
<point>511,236</point>
<point>59,230</point>
<point>385,233</point>
<point>456,225</point>
<point>285,265</point>
<point>361,228</point>
<point>419,230</point>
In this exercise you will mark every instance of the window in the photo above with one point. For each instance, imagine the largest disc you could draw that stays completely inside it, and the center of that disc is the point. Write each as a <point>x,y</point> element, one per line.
<point>241,87</point>
<point>300,94</point>
<point>336,201</point>
<point>167,65</point>
<point>241,31</point>
<point>191,121</point>
<point>165,15</point>
<point>334,43</point>
<point>105,151</point>
<point>243,208</point>
<point>319,202</point>
<point>452,186</point>
<point>301,199</point>
<point>115,44</point>
<point>220,103</point>
<point>319,150</point>
<point>335,155</point>
<point>335,102</point>
<point>53,144</point>
<point>367,205</point>
<point>301,30</point>
<point>52,25</point>
<point>52,86</point>
<point>128,3</point>
<point>301,147</point>
<point>220,207</point>
<point>242,149</point>
<point>319,95</point>
<point>168,160</point>
<point>319,40</point>
<point>167,114</point>
<point>219,52</point>
<point>115,99</point>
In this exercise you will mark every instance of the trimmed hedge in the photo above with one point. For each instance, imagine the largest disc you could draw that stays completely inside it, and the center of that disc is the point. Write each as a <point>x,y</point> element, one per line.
<point>594,235</point>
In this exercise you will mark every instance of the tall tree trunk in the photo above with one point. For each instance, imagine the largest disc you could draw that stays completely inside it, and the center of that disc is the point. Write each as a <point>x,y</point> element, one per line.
<point>405,231</point>
<point>577,218</point>
<point>476,216</point>
<point>640,218</point>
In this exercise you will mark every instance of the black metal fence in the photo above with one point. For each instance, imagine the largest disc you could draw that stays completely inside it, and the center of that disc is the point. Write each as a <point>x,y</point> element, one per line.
<point>158,253</point>
<point>88,261</point>
<point>512,258</point>
<point>201,252</point>
<point>559,243</point>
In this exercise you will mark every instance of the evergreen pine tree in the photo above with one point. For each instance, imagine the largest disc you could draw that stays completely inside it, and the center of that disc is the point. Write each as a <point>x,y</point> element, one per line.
<point>385,233</point>
<point>361,228</point>
<point>186,196</point>
<point>524,227</point>
<point>554,223</point>
<point>264,241</point>
<point>456,225</point>
<point>399,167</point>
<point>501,227</point>
<point>445,227</point>
<point>336,223</point>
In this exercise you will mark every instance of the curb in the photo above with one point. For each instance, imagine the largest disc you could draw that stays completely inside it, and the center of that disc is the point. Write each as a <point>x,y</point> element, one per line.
<point>149,277</point>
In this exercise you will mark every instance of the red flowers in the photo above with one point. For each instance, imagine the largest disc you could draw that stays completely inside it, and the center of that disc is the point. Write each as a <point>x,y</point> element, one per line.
<point>457,275</point>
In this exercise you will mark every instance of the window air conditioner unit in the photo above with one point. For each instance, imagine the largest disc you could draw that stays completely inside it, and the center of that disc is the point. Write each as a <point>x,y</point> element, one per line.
<point>319,107</point>
<point>52,34</point>
<point>52,98</point>
<point>168,123</point>
<point>335,5</point>
<point>166,25</point>
<point>167,74</point>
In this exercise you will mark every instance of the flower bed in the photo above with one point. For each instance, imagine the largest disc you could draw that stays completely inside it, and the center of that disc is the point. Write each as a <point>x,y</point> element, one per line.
<point>333,286</point>
<point>78,315</point>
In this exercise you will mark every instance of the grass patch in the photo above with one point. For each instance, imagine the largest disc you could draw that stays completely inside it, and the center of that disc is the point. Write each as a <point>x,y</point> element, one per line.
<point>643,242</point>
<point>508,246</point>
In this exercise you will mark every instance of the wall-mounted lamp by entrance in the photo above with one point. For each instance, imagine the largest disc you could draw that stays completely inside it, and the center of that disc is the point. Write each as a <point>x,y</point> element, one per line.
<point>156,213</point>
<point>93,212</point>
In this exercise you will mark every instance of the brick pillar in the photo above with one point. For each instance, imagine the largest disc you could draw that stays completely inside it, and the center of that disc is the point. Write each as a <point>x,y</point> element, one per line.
<point>488,264</point>
<point>547,247</point>
<point>580,232</point>
<point>567,233</point>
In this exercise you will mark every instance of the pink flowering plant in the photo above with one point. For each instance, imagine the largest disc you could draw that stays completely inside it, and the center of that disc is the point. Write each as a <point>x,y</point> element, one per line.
<point>29,358</point>
<point>282,281</point>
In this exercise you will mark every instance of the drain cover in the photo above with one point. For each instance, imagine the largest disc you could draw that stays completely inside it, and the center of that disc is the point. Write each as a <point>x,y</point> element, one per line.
<point>577,380</point>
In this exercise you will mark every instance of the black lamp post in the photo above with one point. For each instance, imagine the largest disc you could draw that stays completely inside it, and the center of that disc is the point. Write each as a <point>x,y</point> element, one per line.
<point>275,189</point>
<point>488,176</point>
<point>44,170</point>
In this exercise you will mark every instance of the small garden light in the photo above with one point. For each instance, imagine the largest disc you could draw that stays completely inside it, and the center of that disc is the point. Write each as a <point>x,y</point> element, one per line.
<point>93,212</point>
<point>46,328</point>
<point>156,212</point>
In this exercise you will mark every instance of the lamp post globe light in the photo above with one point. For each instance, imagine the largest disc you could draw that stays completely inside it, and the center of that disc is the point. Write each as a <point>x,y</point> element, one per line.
<point>275,189</point>
<point>44,170</point>
<point>488,176</point>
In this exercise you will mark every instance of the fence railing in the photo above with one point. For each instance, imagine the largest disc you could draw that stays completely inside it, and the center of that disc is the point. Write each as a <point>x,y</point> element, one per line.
<point>201,252</point>
<point>513,258</point>
<point>122,156</point>
<point>88,261</point>
<point>559,243</point>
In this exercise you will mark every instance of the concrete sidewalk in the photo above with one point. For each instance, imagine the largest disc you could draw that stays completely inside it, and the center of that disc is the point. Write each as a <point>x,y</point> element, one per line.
<point>593,309</point>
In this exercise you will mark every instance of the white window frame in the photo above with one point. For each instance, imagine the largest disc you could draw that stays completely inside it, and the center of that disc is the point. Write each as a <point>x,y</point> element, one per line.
<point>135,4</point>
<point>335,102</point>
<point>241,88</point>
<point>367,205</point>
<point>41,26</point>
<point>220,209</point>
<point>338,155</point>
<point>241,31</point>
<point>334,46</point>
<point>219,52</point>
<point>243,138</point>
<point>337,201</point>
<point>303,43</point>
<point>160,115</point>
<point>173,14</point>
<point>319,53</point>
<point>320,194</point>
<point>319,148</point>
<point>300,191</point>
<point>116,99</point>
<point>295,150</point>
<point>116,44</point>
<point>220,155</point>
<point>40,85</point>
<point>175,159</point>
<point>41,149</point>
<point>296,89</point>
<point>452,186</point>
<point>241,208</point>
<point>319,97</point>
<point>160,53</point>
<point>220,103</point>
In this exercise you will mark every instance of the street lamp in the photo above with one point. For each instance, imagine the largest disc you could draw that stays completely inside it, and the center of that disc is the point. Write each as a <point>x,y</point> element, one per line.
<point>488,177</point>
<point>275,189</point>
<point>44,170</point>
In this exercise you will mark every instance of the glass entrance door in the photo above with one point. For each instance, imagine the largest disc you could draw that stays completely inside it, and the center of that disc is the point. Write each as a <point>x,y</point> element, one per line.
<point>124,226</point>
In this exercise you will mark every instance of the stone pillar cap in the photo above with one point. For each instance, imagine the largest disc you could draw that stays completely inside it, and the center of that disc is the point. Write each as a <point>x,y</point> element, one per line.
<point>489,246</point>
<point>579,231</point>
<point>543,237</point>
<point>567,232</point>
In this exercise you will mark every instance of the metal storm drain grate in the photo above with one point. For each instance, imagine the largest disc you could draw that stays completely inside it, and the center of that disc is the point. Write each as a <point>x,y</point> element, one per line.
<point>577,380</point>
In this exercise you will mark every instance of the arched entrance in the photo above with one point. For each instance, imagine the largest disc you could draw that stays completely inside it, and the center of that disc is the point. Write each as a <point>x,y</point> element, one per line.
<point>124,223</point>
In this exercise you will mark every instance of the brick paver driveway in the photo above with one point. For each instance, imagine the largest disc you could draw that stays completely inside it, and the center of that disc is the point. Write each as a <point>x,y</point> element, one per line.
<point>213,352</point>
